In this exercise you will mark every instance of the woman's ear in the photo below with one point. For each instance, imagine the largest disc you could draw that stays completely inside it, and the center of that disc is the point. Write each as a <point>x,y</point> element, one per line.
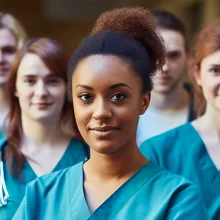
<point>197,75</point>
<point>145,102</point>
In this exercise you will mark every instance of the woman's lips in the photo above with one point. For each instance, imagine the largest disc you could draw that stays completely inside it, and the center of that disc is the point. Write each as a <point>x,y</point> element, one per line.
<point>4,71</point>
<point>104,132</point>
<point>41,105</point>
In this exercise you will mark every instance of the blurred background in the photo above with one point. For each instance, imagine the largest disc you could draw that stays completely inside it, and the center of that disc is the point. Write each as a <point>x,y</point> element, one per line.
<point>68,21</point>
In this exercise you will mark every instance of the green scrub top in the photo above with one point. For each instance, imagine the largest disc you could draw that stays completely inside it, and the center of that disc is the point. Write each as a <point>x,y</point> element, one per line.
<point>182,151</point>
<point>152,193</point>
<point>75,153</point>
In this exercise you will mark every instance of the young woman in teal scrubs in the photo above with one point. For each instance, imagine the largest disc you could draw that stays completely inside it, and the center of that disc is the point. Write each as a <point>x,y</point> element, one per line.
<point>40,116</point>
<point>110,82</point>
<point>193,150</point>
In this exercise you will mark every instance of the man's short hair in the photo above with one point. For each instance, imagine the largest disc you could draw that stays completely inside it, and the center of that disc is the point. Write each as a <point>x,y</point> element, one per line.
<point>169,21</point>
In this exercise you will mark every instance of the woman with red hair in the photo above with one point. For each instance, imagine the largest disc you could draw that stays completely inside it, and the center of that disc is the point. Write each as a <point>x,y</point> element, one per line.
<point>193,150</point>
<point>41,122</point>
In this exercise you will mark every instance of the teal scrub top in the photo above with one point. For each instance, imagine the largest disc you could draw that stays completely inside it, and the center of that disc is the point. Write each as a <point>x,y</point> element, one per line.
<point>75,153</point>
<point>152,193</point>
<point>182,151</point>
<point>1,135</point>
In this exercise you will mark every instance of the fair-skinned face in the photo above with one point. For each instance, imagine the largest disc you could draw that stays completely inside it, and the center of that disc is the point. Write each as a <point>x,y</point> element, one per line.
<point>171,76</point>
<point>40,92</point>
<point>8,47</point>
<point>107,102</point>
<point>208,77</point>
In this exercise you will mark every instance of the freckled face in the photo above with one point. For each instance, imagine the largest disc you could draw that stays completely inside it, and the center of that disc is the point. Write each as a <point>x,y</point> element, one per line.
<point>107,101</point>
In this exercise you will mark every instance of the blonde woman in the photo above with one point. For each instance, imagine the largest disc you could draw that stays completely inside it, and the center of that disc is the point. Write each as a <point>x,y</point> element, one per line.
<point>12,37</point>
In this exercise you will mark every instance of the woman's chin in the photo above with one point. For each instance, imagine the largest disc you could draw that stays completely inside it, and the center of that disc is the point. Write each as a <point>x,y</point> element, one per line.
<point>104,148</point>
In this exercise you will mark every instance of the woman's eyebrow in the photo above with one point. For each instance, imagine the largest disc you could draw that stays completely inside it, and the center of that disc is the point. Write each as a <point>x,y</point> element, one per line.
<point>215,65</point>
<point>111,87</point>
<point>120,85</point>
<point>85,87</point>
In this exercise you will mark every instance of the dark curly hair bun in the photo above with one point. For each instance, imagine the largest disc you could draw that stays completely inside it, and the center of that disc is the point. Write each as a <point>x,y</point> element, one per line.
<point>128,33</point>
<point>139,24</point>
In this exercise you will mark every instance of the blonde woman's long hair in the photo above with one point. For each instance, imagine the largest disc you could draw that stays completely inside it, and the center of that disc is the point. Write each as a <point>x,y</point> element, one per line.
<point>10,23</point>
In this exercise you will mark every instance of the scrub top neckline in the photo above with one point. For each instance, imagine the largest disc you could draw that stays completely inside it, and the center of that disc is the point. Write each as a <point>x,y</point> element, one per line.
<point>152,169</point>
<point>203,151</point>
<point>29,167</point>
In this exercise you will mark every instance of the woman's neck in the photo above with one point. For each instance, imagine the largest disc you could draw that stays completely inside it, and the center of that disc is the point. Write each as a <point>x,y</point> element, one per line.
<point>210,121</point>
<point>41,134</point>
<point>175,100</point>
<point>4,109</point>
<point>119,165</point>
<point>3,99</point>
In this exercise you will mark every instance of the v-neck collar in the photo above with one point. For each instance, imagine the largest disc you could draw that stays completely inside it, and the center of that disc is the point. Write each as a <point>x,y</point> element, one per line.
<point>28,172</point>
<point>79,205</point>
<point>202,155</point>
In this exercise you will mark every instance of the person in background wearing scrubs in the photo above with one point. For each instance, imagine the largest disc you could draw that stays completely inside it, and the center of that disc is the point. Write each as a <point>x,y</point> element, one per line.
<point>193,150</point>
<point>110,82</point>
<point>171,99</point>
<point>37,141</point>
<point>12,37</point>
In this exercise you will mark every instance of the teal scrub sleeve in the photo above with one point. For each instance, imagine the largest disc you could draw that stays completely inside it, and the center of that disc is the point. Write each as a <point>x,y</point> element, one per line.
<point>150,151</point>
<point>187,204</point>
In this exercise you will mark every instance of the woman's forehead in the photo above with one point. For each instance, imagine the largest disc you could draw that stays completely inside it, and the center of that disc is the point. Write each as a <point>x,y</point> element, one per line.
<point>103,68</point>
<point>31,64</point>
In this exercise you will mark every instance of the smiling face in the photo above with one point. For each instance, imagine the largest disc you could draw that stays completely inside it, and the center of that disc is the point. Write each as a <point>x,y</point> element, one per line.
<point>171,75</point>
<point>208,77</point>
<point>107,102</point>
<point>40,92</point>
<point>8,47</point>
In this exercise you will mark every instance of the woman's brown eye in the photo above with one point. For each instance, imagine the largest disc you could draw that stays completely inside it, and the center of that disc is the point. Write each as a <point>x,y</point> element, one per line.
<point>85,97</point>
<point>215,70</point>
<point>117,97</point>
<point>29,81</point>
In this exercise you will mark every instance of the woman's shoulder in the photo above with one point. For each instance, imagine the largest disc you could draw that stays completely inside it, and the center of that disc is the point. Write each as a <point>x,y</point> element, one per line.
<point>179,132</point>
<point>174,185</point>
<point>75,140</point>
<point>175,181</point>
<point>77,143</point>
<point>183,197</point>
<point>182,135</point>
<point>173,192</point>
<point>163,176</point>
<point>54,180</point>
<point>78,148</point>
<point>172,146</point>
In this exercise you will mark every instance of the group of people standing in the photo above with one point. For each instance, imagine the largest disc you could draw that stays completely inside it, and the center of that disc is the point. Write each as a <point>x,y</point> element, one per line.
<point>90,117</point>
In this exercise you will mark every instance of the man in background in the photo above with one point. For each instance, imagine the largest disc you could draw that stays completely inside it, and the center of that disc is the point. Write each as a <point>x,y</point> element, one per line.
<point>171,99</point>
